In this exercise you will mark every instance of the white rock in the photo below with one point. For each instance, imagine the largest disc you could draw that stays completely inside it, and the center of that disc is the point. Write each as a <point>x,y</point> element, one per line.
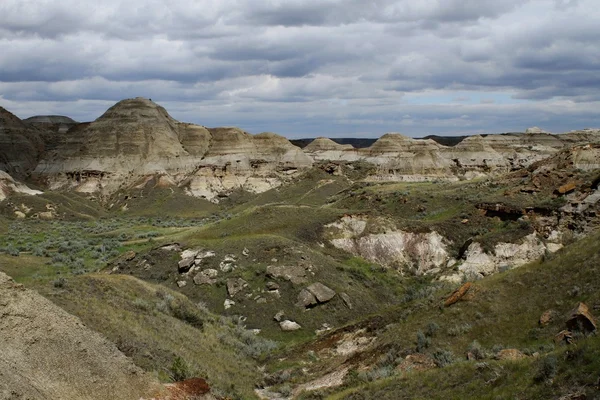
<point>288,325</point>
<point>228,303</point>
<point>554,247</point>
<point>181,283</point>
<point>188,253</point>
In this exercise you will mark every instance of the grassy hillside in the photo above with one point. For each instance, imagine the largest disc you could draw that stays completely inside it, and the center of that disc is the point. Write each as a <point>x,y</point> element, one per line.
<point>502,312</point>
<point>163,331</point>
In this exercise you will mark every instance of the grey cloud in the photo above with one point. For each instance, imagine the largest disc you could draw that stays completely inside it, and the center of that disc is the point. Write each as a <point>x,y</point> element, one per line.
<point>339,66</point>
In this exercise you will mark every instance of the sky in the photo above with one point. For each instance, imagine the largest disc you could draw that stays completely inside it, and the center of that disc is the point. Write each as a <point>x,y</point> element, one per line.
<point>308,68</point>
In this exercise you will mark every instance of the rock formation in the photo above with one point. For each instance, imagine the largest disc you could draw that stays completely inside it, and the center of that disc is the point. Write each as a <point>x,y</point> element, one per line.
<point>54,126</point>
<point>136,142</point>
<point>9,186</point>
<point>21,145</point>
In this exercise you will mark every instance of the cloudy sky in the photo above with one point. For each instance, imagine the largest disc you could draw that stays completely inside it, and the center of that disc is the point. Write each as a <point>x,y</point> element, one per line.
<point>306,68</point>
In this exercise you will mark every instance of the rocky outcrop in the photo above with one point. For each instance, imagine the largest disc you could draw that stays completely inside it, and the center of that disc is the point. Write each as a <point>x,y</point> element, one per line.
<point>581,319</point>
<point>417,252</point>
<point>426,253</point>
<point>478,263</point>
<point>21,145</point>
<point>238,160</point>
<point>49,354</point>
<point>9,186</point>
<point>136,143</point>
<point>400,158</point>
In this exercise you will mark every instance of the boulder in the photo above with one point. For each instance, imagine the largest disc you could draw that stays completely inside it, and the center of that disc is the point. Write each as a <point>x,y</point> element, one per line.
<point>564,336</point>
<point>228,263</point>
<point>321,292</point>
<point>457,294</point>
<point>288,325</point>
<point>295,273</point>
<point>128,255</point>
<point>171,247</point>
<point>187,253</point>
<point>272,286</point>
<point>547,317</point>
<point>306,299</point>
<point>185,264</point>
<point>235,285</point>
<point>206,277</point>
<point>567,188</point>
<point>581,319</point>
<point>279,316</point>
<point>346,300</point>
<point>181,283</point>
<point>228,303</point>
<point>509,354</point>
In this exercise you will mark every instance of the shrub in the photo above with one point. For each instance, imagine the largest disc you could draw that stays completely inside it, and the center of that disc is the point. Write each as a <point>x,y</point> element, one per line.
<point>431,329</point>
<point>546,369</point>
<point>476,350</point>
<point>180,370</point>
<point>423,342</point>
<point>59,282</point>
<point>460,329</point>
<point>443,358</point>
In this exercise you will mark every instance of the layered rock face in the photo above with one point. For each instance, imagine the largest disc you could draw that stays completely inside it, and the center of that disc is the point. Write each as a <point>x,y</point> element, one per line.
<point>400,158</point>
<point>238,160</point>
<point>136,141</point>
<point>21,145</point>
<point>324,149</point>
<point>55,126</point>
<point>49,354</point>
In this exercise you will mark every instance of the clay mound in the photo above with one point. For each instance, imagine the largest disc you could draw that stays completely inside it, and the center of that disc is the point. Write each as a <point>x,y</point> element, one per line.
<point>133,138</point>
<point>396,142</point>
<point>49,354</point>
<point>21,145</point>
<point>326,144</point>
<point>535,130</point>
<point>475,152</point>
<point>49,119</point>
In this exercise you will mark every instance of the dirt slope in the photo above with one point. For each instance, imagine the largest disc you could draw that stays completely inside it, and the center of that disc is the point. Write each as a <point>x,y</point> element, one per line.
<point>49,354</point>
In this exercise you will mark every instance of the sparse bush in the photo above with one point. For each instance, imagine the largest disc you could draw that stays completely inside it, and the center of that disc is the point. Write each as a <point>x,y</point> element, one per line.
<point>443,358</point>
<point>423,342</point>
<point>59,282</point>
<point>285,390</point>
<point>546,369</point>
<point>460,329</point>
<point>180,370</point>
<point>496,348</point>
<point>477,350</point>
<point>431,329</point>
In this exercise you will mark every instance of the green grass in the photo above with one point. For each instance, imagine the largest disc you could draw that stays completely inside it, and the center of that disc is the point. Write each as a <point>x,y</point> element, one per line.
<point>156,326</point>
<point>576,372</point>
